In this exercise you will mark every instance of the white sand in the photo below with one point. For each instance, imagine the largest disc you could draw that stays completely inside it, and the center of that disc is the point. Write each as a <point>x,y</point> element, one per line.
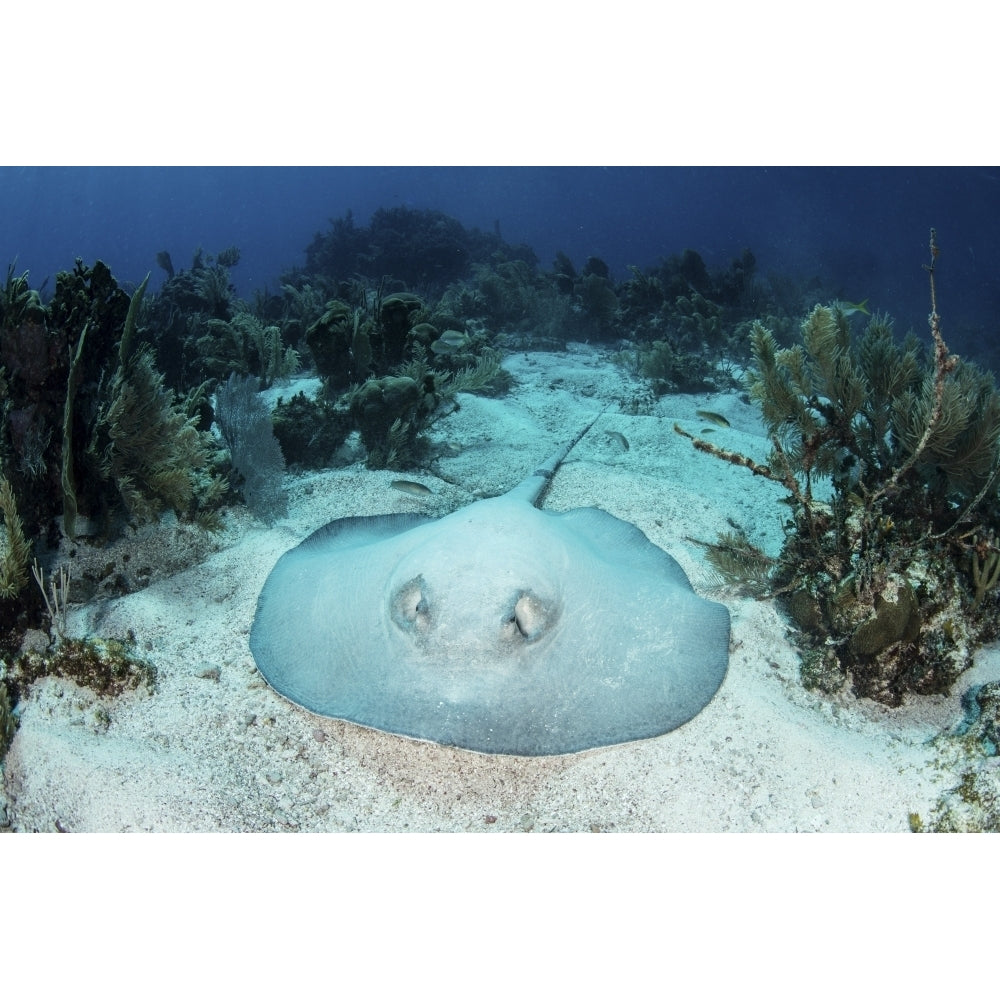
<point>215,749</point>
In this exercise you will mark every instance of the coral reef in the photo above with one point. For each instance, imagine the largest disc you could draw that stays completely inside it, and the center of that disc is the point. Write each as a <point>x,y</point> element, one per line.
<point>381,349</point>
<point>888,573</point>
<point>330,339</point>
<point>670,369</point>
<point>309,431</point>
<point>738,561</point>
<point>350,344</point>
<point>163,260</point>
<point>422,248</point>
<point>390,412</point>
<point>298,308</point>
<point>389,337</point>
<point>243,344</point>
<point>200,331</point>
<point>89,432</point>
<point>19,302</point>
<point>681,318</point>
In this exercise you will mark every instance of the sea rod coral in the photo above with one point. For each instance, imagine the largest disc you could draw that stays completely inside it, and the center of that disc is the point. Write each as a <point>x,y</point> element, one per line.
<point>890,460</point>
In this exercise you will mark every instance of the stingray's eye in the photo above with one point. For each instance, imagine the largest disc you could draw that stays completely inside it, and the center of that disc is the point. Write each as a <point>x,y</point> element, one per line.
<point>410,608</point>
<point>531,616</point>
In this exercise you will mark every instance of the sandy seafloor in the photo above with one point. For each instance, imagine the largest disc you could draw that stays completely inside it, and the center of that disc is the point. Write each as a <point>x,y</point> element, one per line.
<point>215,749</point>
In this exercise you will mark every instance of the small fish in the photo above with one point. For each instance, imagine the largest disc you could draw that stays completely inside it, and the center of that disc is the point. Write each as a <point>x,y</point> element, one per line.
<point>449,342</point>
<point>620,438</point>
<point>715,418</point>
<point>850,308</point>
<point>408,486</point>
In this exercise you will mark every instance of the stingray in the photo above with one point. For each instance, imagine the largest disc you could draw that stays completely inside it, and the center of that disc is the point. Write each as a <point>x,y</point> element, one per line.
<point>500,628</point>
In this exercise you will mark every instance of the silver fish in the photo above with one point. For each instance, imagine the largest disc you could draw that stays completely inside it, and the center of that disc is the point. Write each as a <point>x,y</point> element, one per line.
<point>711,415</point>
<point>414,489</point>
<point>619,437</point>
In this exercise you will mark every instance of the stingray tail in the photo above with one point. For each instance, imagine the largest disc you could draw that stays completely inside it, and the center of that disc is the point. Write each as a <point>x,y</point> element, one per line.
<point>532,488</point>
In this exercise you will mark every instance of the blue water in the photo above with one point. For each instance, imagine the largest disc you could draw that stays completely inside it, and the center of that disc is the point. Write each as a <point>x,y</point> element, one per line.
<point>862,231</point>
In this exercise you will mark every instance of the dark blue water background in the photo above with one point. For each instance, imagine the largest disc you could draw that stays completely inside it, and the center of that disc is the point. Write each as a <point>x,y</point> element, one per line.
<point>863,231</point>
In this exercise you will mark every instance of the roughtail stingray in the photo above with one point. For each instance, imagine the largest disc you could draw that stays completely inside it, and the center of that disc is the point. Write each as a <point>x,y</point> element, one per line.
<point>499,628</point>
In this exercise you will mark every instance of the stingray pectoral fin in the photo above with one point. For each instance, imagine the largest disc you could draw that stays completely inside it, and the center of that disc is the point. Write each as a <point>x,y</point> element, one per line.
<point>651,653</point>
<point>317,626</point>
<point>354,531</point>
<point>622,543</point>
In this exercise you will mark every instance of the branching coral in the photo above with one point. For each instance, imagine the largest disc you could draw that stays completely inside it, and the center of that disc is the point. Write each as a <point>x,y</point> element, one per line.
<point>14,547</point>
<point>985,569</point>
<point>309,431</point>
<point>144,442</point>
<point>19,301</point>
<point>245,345</point>
<point>154,450</point>
<point>911,451</point>
<point>390,412</point>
